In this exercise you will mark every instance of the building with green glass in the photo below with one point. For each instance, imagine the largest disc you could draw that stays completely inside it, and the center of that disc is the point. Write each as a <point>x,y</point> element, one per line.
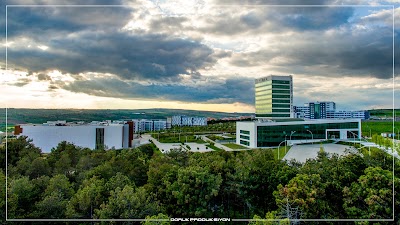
<point>254,134</point>
<point>274,97</point>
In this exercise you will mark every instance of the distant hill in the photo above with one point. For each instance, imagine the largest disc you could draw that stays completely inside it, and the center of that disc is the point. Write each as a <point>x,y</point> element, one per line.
<point>18,116</point>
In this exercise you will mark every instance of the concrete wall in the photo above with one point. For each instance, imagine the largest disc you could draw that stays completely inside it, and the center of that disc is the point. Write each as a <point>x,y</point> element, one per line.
<point>247,126</point>
<point>48,137</point>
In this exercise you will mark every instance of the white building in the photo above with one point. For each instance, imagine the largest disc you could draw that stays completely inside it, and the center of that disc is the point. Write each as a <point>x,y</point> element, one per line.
<point>94,135</point>
<point>144,125</point>
<point>362,114</point>
<point>255,134</point>
<point>326,110</point>
<point>188,121</point>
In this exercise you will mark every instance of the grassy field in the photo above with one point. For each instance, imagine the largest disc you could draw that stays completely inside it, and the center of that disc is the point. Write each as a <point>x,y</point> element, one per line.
<point>378,127</point>
<point>214,147</point>
<point>384,112</point>
<point>167,138</point>
<point>282,152</point>
<point>234,146</point>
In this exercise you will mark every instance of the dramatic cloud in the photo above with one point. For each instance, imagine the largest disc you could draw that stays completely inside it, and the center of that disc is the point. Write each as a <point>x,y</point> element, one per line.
<point>239,89</point>
<point>200,51</point>
<point>128,56</point>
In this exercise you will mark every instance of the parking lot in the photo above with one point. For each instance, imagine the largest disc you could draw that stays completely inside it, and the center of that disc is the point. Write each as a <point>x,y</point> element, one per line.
<point>303,152</point>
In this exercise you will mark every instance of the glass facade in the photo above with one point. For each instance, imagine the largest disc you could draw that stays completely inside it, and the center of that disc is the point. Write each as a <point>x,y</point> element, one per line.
<point>273,96</point>
<point>269,136</point>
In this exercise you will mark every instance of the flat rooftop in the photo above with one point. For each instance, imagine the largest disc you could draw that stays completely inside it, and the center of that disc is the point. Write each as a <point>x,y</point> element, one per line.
<point>318,121</point>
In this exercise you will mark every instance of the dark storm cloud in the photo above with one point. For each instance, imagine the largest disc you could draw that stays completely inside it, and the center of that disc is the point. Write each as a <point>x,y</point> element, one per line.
<point>44,20</point>
<point>370,54</point>
<point>347,52</point>
<point>239,89</point>
<point>276,16</point>
<point>128,56</point>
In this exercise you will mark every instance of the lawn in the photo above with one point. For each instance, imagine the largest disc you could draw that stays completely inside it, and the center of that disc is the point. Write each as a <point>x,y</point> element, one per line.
<point>214,147</point>
<point>378,127</point>
<point>281,152</point>
<point>235,146</point>
<point>170,138</point>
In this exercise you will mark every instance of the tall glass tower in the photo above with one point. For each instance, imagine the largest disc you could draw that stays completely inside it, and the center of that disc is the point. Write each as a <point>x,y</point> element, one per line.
<point>274,97</point>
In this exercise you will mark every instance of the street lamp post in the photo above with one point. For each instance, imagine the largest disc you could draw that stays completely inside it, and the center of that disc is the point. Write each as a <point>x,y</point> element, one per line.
<point>370,135</point>
<point>279,147</point>
<point>291,133</point>
<point>354,137</point>
<point>312,136</point>
<point>369,149</point>
<point>285,144</point>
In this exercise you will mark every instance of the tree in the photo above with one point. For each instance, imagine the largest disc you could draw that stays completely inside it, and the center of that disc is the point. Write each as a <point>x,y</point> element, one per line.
<point>20,147</point>
<point>3,196</point>
<point>160,219</point>
<point>371,196</point>
<point>22,195</point>
<point>257,174</point>
<point>128,203</point>
<point>88,198</point>
<point>306,192</point>
<point>38,168</point>
<point>119,180</point>
<point>56,197</point>
<point>194,191</point>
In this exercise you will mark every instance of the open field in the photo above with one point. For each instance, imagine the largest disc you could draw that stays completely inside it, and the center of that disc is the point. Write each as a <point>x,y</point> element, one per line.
<point>384,112</point>
<point>372,127</point>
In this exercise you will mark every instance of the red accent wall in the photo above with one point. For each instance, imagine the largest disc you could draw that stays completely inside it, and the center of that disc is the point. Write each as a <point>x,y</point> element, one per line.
<point>17,130</point>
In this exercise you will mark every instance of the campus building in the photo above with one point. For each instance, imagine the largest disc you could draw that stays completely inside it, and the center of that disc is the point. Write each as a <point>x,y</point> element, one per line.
<point>274,97</point>
<point>144,125</point>
<point>188,121</point>
<point>326,110</point>
<point>256,134</point>
<point>94,135</point>
<point>361,114</point>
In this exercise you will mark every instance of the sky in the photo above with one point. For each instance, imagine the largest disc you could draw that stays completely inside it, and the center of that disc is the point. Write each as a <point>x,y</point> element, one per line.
<point>196,54</point>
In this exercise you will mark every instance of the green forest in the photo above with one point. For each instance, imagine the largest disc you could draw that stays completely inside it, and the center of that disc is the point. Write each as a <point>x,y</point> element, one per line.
<point>74,182</point>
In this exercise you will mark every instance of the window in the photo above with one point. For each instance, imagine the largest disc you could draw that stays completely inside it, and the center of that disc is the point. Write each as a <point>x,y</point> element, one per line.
<point>245,137</point>
<point>244,132</point>
<point>280,82</point>
<point>244,142</point>
<point>280,86</point>
<point>281,91</point>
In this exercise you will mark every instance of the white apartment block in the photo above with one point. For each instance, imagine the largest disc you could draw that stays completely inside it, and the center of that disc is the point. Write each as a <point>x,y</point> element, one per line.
<point>144,125</point>
<point>326,110</point>
<point>188,121</point>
